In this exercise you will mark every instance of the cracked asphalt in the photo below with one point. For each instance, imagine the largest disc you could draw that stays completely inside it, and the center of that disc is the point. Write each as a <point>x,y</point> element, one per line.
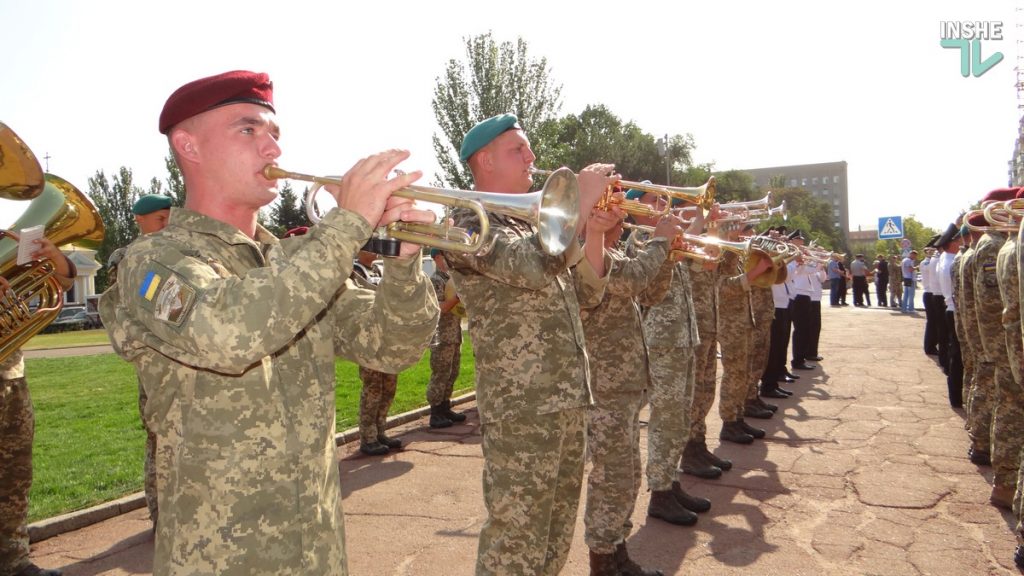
<point>864,472</point>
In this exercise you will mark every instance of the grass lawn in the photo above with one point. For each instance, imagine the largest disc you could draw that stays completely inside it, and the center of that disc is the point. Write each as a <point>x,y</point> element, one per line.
<point>68,339</point>
<point>89,440</point>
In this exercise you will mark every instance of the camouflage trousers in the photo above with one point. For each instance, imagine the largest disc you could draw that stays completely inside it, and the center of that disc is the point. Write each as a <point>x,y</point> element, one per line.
<point>735,344</point>
<point>17,427</point>
<point>979,415</point>
<point>374,402</point>
<point>533,473</point>
<point>613,442</point>
<point>671,394</point>
<point>1007,428</point>
<point>444,369</point>
<point>760,344</point>
<point>149,464</point>
<point>706,366</point>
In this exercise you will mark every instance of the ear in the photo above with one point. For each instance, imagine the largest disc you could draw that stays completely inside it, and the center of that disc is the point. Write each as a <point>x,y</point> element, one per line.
<point>184,145</point>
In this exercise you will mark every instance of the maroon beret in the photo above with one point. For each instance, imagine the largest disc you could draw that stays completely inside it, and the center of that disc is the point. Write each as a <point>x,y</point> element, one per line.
<point>209,93</point>
<point>978,220</point>
<point>1000,194</point>
<point>1020,192</point>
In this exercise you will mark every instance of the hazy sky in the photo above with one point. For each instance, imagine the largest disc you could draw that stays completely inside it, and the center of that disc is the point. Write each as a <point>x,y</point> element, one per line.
<point>756,83</point>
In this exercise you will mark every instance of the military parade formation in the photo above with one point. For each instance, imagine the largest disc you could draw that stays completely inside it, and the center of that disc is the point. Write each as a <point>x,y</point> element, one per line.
<point>585,302</point>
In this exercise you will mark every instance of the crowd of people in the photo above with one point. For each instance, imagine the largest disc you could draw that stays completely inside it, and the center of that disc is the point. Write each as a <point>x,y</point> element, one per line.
<point>234,333</point>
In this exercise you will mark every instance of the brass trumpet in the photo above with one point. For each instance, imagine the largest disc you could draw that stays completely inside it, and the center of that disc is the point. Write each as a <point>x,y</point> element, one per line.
<point>554,211</point>
<point>998,216</point>
<point>703,196</point>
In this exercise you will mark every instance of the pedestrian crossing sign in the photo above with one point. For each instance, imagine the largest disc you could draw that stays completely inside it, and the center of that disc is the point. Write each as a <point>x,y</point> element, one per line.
<point>890,227</point>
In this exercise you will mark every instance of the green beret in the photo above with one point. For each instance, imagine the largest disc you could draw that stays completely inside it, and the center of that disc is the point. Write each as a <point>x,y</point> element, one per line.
<point>150,203</point>
<point>435,252</point>
<point>484,132</point>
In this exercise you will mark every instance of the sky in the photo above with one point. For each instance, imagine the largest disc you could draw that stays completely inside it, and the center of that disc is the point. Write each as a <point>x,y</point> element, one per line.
<point>756,83</point>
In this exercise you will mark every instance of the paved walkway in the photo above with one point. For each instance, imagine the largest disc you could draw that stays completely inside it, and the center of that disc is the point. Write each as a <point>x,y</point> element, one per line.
<point>864,472</point>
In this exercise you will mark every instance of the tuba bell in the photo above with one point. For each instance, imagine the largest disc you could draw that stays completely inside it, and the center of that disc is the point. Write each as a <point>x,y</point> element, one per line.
<point>34,297</point>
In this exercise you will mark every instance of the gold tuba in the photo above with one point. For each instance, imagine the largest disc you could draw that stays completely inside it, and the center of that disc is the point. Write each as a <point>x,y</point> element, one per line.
<point>35,297</point>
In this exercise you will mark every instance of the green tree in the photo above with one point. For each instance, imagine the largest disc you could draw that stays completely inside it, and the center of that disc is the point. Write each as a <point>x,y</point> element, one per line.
<point>287,213</point>
<point>113,200</point>
<point>493,79</point>
<point>913,230</point>
<point>175,184</point>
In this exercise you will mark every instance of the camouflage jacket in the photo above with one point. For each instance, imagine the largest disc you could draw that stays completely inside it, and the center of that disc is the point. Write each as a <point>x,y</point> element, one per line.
<point>762,305</point>
<point>12,367</point>
<point>1009,289</point>
<point>704,291</point>
<point>734,292</point>
<point>615,338</point>
<point>672,322</point>
<point>449,325</point>
<point>988,301</point>
<point>523,307</point>
<point>966,305</point>
<point>958,297</point>
<point>234,341</point>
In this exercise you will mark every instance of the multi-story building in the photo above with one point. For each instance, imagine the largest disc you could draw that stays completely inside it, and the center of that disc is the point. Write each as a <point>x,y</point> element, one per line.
<point>825,181</point>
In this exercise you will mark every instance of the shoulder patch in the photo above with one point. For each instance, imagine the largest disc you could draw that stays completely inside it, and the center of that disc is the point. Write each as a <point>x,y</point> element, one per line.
<point>169,296</point>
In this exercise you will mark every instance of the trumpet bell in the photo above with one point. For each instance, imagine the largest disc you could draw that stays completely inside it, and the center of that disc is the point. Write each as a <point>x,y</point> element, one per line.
<point>21,177</point>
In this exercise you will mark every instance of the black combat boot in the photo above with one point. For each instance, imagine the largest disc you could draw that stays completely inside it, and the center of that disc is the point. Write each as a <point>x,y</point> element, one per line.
<point>691,503</point>
<point>453,416</point>
<point>695,464</point>
<point>603,564</point>
<point>979,457</point>
<point>373,449</point>
<point>392,443</point>
<point>767,406</point>
<point>755,432</point>
<point>752,410</point>
<point>629,568</point>
<point>33,570</point>
<point>438,418</point>
<point>1018,557</point>
<point>665,506</point>
<point>721,463</point>
<point>734,432</point>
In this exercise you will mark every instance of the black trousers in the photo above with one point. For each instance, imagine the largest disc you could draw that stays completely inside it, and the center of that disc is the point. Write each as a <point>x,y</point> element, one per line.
<point>800,312</point>
<point>843,289</point>
<point>776,368</point>
<point>938,310</point>
<point>955,375</point>
<point>881,285</point>
<point>815,329</point>
<point>931,345</point>
<point>860,291</point>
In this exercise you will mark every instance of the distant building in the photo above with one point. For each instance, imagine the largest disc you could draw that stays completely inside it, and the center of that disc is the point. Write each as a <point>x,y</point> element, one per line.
<point>85,282</point>
<point>826,182</point>
<point>863,236</point>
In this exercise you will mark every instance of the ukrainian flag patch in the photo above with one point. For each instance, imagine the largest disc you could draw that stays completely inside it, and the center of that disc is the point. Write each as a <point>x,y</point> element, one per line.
<point>149,285</point>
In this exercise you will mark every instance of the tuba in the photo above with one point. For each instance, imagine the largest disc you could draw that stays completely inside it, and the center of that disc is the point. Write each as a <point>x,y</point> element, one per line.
<point>35,297</point>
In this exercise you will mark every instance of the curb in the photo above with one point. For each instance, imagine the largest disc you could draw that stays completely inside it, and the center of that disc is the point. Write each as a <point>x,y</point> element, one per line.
<point>78,519</point>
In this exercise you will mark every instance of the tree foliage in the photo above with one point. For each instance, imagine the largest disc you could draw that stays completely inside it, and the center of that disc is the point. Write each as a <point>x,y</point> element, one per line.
<point>913,230</point>
<point>492,79</point>
<point>289,212</point>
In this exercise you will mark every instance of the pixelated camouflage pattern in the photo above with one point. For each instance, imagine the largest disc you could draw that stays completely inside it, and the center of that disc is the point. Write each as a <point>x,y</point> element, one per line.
<point>735,323</point>
<point>113,262</point>
<point>533,472</point>
<point>895,279</point>
<point>704,285</point>
<point>618,358</point>
<point>615,337</point>
<point>1007,268</point>
<point>979,417</point>
<point>149,472</point>
<point>613,437</point>
<point>960,324</point>
<point>671,323</point>
<point>445,348</point>
<point>763,307</point>
<point>17,422</point>
<point>523,309</point>
<point>375,400</point>
<point>240,382</point>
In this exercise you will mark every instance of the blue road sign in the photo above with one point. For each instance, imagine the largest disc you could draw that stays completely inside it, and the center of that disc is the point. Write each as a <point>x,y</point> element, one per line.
<point>890,227</point>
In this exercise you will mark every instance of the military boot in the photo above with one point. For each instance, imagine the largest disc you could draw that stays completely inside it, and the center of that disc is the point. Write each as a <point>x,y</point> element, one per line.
<point>691,503</point>
<point>979,457</point>
<point>33,570</point>
<point>1018,556</point>
<point>373,448</point>
<point>1002,497</point>
<point>665,506</point>
<point>696,465</point>
<point>752,410</point>
<point>438,418</point>
<point>629,568</point>
<point>720,463</point>
<point>734,432</point>
<point>755,432</point>
<point>392,443</point>
<point>603,564</point>
<point>767,406</point>
<point>453,416</point>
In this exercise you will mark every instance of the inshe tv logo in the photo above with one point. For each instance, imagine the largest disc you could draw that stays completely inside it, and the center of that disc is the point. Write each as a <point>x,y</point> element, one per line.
<point>967,36</point>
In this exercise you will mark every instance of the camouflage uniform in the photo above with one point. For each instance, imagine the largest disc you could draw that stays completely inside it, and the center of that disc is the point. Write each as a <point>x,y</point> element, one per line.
<point>379,388</point>
<point>763,307</point>
<point>618,357</point>
<point>989,312</point>
<point>445,349</point>
<point>979,415</point>
<point>149,461</point>
<point>670,329</point>
<point>735,323</point>
<point>1009,289</point>
<point>705,305</point>
<point>17,425</point>
<point>532,385</point>
<point>966,349</point>
<point>235,341</point>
